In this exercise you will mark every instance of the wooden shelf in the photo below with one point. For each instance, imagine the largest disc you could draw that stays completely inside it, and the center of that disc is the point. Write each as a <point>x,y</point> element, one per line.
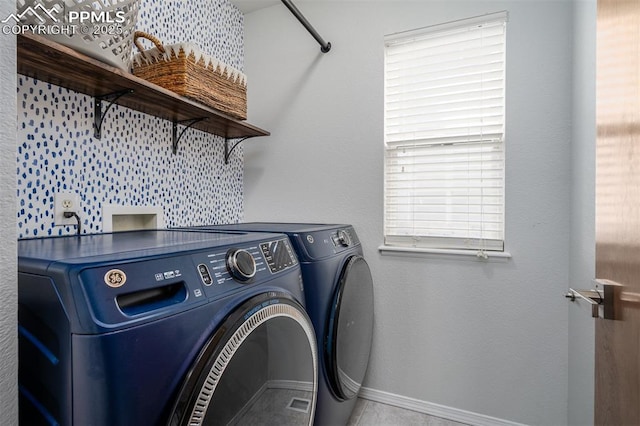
<point>52,62</point>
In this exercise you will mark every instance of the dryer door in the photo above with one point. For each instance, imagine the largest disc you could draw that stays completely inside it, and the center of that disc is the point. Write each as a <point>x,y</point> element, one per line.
<point>259,367</point>
<point>349,329</point>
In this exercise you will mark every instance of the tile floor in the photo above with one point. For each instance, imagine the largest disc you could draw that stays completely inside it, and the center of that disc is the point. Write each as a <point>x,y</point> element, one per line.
<point>369,413</point>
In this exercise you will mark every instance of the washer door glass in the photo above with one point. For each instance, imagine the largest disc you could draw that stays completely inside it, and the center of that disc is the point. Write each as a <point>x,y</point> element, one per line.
<point>350,327</point>
<point>259,367</point>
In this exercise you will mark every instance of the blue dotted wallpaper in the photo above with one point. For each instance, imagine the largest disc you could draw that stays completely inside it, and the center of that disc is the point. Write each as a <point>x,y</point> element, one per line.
<point>132,164</point>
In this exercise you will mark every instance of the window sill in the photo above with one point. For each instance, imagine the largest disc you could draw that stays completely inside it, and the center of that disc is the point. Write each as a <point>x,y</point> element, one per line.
<point>415,251</point>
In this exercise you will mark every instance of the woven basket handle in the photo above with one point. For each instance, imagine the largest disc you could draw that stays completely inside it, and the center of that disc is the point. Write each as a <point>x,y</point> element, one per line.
<point>154,40</point>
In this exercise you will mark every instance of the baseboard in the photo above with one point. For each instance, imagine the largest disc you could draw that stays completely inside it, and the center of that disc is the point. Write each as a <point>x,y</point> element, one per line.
<point>432,409</point>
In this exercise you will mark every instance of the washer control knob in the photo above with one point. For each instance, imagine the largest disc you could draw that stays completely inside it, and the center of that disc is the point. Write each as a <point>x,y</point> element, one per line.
<point>241,264</point>
<point>343,238</point>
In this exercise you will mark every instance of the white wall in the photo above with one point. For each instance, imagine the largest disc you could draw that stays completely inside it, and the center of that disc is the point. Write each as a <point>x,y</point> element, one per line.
<point>487,337</point>
<point>582,261</point>
<point>8,284</point>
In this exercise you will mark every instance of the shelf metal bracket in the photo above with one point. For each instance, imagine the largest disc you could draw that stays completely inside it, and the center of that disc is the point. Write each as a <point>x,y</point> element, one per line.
<point>228,151</point>
<point>187,124</point>
<point>98,115</point>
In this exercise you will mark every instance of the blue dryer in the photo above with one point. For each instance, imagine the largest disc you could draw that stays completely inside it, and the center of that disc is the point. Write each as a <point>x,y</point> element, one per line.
<point>339,295</point>
<point>164,328</point>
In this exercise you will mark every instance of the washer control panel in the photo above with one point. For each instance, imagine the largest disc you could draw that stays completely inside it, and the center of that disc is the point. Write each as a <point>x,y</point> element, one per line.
<point>279,255</point>
<point>227,269</point>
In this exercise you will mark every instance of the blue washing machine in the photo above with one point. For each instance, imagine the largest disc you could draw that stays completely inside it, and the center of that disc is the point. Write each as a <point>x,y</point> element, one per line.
<point>164,328</point>
<point>339,300</point>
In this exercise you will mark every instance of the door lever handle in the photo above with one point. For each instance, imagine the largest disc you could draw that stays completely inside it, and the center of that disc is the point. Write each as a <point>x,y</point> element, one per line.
<point>610,295</point>
<point>594,297</point>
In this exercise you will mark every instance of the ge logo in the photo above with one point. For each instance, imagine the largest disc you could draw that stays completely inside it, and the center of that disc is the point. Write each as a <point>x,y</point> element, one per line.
<point>115,278</point>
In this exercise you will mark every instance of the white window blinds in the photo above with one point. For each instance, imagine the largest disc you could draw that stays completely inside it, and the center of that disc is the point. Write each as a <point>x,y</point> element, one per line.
<point>444,135</point>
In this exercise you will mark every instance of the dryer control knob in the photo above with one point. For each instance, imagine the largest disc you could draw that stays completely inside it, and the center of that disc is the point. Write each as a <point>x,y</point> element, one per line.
<point>241,264</point>
<point>343,238</point>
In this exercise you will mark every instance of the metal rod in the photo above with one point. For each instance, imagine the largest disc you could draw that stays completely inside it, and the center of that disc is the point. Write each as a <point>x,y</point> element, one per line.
<point>325,46</point>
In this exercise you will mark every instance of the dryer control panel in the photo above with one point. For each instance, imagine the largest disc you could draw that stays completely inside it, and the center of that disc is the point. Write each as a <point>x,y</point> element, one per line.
<point>325,243</point>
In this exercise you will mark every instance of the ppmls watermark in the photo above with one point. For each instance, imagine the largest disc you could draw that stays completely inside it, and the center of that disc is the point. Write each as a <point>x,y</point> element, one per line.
<point>38,19</point>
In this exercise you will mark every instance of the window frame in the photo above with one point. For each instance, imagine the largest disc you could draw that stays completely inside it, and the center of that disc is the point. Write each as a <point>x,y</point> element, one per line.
<point>413,243</point>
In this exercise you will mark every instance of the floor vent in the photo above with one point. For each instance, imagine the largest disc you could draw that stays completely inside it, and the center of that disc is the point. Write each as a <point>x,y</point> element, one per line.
<point>299,404</point>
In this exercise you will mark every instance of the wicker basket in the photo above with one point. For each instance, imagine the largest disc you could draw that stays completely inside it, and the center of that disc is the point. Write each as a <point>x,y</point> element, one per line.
<point>184,69</point>
<point>111,43</point>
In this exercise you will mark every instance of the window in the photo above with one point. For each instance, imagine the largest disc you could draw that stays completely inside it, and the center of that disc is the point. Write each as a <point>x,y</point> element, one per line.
<point>444,136</point>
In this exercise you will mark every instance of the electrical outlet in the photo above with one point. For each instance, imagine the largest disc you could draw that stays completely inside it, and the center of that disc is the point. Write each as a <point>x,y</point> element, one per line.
<point>65,202</point>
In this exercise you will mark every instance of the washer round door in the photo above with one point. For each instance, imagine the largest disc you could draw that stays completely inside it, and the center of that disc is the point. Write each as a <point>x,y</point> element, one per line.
<point>350,329</point>
<point>258,367</point>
